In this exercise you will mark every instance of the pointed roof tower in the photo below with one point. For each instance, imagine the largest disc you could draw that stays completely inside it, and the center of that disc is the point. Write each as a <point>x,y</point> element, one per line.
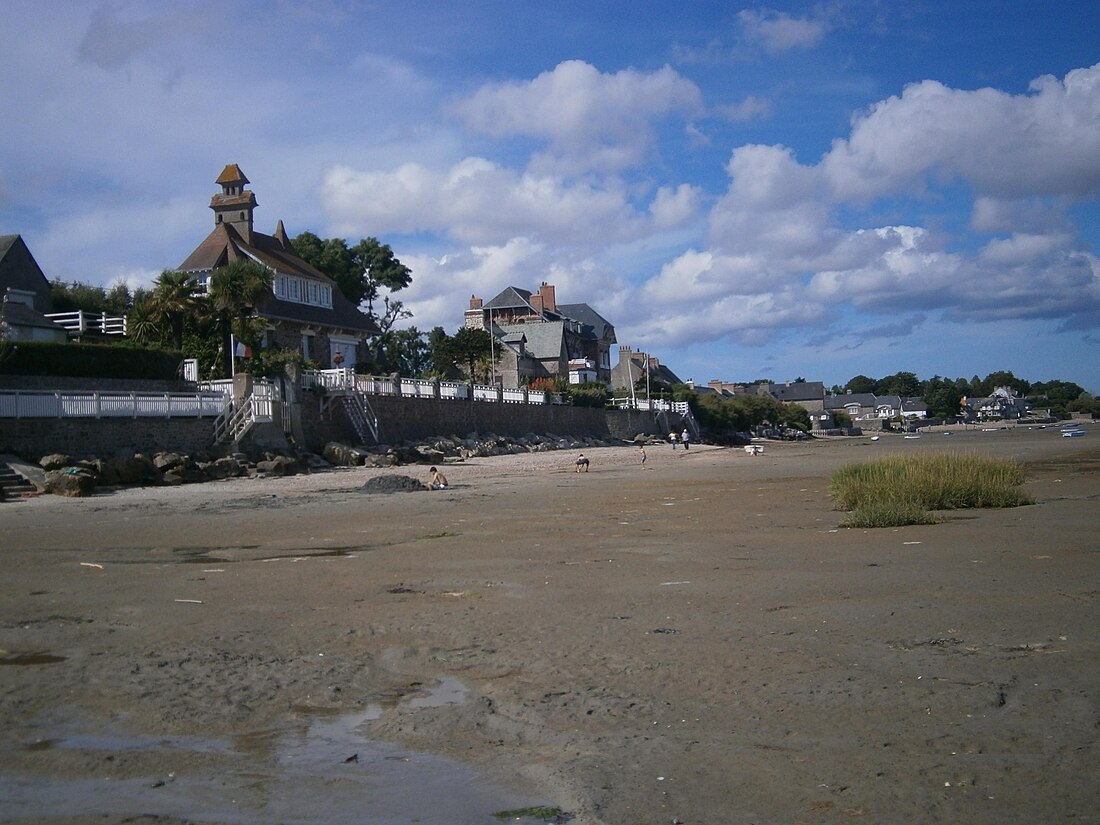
<point>235,204</point>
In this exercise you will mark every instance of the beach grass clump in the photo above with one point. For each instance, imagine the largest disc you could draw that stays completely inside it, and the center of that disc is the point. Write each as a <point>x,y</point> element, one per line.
<point>544,812</point>
<point>898,490</point>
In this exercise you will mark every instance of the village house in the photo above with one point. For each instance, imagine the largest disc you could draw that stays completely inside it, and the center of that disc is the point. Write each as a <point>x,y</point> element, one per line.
<point>866,408</point>
<point>26,295</point>
<point>306,310</point>
<point>536,337</point>
<point>636,368</point>
<point>1003,404</point>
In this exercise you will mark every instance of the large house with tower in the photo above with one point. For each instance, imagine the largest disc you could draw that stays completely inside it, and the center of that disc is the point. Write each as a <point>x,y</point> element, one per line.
<point>306,310</point>
<point>536,337</point>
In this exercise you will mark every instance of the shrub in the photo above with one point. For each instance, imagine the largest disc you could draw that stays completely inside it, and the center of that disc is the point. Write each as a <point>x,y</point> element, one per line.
<point>120,360</point>
<point>901,489</point>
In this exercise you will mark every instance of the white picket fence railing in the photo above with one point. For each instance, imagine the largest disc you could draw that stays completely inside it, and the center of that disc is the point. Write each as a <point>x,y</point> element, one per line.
<point>346,379</point>
<point>654,404</point>
<point>45,404</point>
<point>81,321</point>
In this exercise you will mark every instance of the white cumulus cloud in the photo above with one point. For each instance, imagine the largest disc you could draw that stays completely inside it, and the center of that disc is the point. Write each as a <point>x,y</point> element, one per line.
<point>589,119</point>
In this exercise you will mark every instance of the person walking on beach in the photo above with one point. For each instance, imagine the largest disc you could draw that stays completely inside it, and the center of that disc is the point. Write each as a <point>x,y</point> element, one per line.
<point>582,462</point>
<point>684,438</point>
<point>672,438</point>
<point>641,451</point>
<point>436,480</point>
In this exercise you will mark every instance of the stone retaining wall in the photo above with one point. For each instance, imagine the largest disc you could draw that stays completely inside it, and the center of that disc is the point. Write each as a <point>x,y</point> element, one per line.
<point>401,419</point>
<point>33,438</point>
<point>412,419</point>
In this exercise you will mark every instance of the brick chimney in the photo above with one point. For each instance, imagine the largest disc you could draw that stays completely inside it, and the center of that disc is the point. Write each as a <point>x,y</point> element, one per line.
<point>546,293</point>
<point>475,302</point>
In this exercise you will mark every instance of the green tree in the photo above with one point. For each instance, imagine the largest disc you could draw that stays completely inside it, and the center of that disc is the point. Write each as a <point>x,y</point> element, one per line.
<point>1085,404</point>
<point>588,394</point>
<point>1057,395</point>
<point>1005,378</point>
<point>119,300</point>
<point>904,384</point>
<point>405,351</point>
<point>861,384</point>
<point>175,296</point>
<point>361,271</point>
<point>76,296</point>
<point>236,289</point>
<point>471,348</point>
<point>442,364</point>
<point>942,397</point>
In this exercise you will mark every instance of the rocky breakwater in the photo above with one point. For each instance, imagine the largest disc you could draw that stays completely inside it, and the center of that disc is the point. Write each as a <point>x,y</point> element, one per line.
<point>69,476</point>
<point>442,450</point>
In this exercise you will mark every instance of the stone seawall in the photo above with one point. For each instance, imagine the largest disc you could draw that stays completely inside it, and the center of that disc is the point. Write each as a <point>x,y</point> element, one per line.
<point>400,419</point>
<point>411,419</point>
<point>33,438</point>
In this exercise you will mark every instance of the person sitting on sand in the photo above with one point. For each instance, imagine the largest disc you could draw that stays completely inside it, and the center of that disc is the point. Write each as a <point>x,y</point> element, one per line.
<point>436,480</point>
<point>582,462</point>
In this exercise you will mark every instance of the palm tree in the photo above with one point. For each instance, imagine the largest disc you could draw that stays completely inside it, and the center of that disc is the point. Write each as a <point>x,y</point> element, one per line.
<point>175,296</point>
<point>236,289</point>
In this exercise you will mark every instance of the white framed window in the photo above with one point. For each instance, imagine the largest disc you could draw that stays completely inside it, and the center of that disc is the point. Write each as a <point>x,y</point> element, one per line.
<point>303,291</point>
<point>346,348</point>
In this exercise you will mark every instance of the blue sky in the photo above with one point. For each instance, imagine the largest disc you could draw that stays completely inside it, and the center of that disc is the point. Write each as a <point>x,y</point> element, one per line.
<point>746,190</point>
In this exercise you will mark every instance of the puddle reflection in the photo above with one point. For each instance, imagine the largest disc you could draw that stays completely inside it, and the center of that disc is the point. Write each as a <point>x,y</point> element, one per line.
<point>324,771</point>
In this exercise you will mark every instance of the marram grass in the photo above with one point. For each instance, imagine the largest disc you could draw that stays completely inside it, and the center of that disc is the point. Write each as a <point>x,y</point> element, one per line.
<point>898,490</point>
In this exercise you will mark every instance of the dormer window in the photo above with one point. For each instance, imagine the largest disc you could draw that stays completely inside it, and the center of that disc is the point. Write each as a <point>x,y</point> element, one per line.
<point>303,291</point>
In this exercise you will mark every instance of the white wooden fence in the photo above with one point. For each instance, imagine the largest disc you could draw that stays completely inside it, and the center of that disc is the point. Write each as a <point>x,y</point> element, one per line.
<point>346,379</point>
<point>81,321</point>
<point>655,404</point>
<point>44,404</point>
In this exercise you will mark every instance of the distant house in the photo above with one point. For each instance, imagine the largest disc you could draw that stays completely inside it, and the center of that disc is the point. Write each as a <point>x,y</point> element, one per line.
<point>1003,404</point>
<point>810,395</point>
<point>25,293</point>
<point>306,310</point>
<point>865,408</point>
<point>635,367</point>
<point>535,337</point>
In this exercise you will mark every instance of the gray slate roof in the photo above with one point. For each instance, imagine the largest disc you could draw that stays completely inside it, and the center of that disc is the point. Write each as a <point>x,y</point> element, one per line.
<point>225,244</point>
<point>19,270</point>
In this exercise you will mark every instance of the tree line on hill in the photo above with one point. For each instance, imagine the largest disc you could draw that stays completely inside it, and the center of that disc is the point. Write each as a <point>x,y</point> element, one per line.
<point>944,395</point>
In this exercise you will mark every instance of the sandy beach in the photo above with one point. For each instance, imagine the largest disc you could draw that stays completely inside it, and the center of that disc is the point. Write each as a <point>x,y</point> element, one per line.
<point>691,641</point>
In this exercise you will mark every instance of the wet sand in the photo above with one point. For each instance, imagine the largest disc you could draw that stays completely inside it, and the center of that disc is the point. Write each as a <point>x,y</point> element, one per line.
<point>695,641</point>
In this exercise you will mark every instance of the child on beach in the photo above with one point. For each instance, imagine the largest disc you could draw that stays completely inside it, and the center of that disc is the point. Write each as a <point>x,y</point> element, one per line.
<point>582,462</point>
<point>436,480</point>
<point>641,451</point>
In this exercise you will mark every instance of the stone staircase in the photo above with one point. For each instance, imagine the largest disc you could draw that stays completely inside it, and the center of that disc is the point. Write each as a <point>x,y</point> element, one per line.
<point>13,485</point>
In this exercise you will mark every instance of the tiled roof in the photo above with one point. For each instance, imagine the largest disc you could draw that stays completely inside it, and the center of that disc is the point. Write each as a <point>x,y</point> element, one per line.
<point>544,340</point>
<point>839,402</point>
<point>19,270</point>
<point>596,325</point>
<point>231,174</point>
<point>511,298</point>
<point>224,245</point>
<point>21,315</point>
<point>798,391</point>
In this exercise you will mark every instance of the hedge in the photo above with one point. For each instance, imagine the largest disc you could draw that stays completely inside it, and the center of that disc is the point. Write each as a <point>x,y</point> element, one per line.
<point>123,360</point>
